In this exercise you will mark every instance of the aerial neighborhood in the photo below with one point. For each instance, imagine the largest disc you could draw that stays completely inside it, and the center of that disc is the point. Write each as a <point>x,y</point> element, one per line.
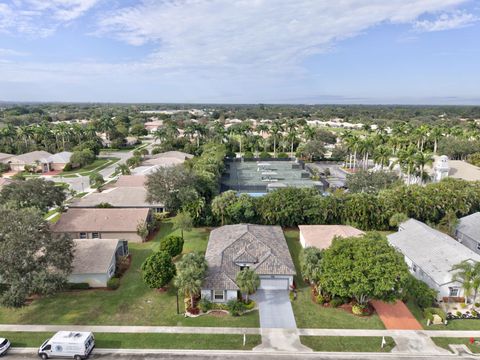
<point>253,218</point>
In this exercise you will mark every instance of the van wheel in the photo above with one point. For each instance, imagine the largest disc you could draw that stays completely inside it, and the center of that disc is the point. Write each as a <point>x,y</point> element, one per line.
<point>77,357</point>
<point>44,356</point>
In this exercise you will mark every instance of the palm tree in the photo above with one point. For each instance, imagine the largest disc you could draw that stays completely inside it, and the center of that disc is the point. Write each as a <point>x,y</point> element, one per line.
<point>406,160</point>
<point>421,160</point>
<point>382,155</point>
<point>275,132</point>
<point>435,134</point>
<point>467,273</point>
<point>123,169</point>
<point>248,281</point>
<point>189,283</point>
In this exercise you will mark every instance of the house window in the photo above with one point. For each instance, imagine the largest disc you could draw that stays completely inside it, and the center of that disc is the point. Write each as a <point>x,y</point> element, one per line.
<point>453,292</point>
<point>478,246</point>
<point>83,235</point>
<point>111,271</point>
<point>414,268</point>
<point>95,235</point>
<point>218,295</point>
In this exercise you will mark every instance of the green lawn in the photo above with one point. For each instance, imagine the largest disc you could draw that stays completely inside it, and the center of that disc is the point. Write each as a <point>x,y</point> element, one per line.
<point>147,340</point>
<point>348,343</point>
<point>311,315</point>
<point>132,304</point>
<point>97,165</point>
<point>445,341</point>
<point>461,324</point>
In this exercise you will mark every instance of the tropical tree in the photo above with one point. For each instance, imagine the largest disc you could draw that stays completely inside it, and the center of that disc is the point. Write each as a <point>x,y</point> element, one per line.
<point>275,133</point>
<point>310,259</point>
<point>172,244</point>
<point>468,274</point>
<point>248,281</point>
<point>183,221</point>
<point>382,155</point>
<point>123,169</point>
<point>190,273</point>
<point>158,270</point>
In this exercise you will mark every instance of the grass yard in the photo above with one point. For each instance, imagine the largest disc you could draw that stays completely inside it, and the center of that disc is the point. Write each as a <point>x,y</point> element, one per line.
<point>445,341</point>
<point>311,315</point>
<point>348,343</point>
<point>147,341</point>
<point>97,165</point>
<point>132,304</point>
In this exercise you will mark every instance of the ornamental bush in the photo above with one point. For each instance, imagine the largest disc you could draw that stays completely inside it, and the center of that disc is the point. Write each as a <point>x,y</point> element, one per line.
<point>248,155</point>
<point>235,307</point>
<point>204,305</point>
<point>265,155</point>
<point>113,283</point>
<point>158,270</point>
<point>172,245</point>
<point>282,155</point>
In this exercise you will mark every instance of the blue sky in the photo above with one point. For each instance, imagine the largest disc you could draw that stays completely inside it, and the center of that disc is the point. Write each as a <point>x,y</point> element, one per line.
<point>241,51</point>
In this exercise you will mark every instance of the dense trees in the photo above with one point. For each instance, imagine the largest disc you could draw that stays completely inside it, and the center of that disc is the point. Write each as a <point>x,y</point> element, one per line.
<point>371,182</point>
<point>292,206</point>
<point>33,193</point>
<point>33,259</point>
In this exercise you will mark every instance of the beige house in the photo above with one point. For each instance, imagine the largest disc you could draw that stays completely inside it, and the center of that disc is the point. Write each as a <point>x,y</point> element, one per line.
<point>95,261</point>
<point>37,159</point>
<point>152,126</point>
<point>321,236</point>
<point>58,161</point>
<point>110,223</point>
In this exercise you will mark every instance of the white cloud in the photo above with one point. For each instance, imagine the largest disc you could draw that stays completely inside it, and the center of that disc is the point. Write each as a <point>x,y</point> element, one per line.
<point>40,18</point>
<point>10,52</point>
<point>447,22</point>
<point>260,32</point>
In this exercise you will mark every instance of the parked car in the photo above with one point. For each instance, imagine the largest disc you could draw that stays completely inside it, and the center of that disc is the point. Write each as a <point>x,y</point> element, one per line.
<point>4,346</point>
<point>68,344</point>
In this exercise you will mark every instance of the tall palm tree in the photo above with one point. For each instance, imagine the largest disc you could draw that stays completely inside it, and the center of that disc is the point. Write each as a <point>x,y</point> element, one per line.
<point>435,134</point>
<point>406,160</point>
<point>189,283</point>
<point>275,133</point>
<point>248,281</point>
<point>423,159</point>
<point>382,155</point>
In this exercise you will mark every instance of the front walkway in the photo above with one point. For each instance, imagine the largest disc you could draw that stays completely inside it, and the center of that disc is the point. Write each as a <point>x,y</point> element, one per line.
<point>396,316</point>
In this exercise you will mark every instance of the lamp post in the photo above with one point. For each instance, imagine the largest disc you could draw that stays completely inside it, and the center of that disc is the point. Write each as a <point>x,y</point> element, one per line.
<point>178,309</point>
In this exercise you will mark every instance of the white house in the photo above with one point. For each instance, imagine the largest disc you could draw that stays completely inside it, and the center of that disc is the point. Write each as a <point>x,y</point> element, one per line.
<point>95,261</point>
<point>430,256</point>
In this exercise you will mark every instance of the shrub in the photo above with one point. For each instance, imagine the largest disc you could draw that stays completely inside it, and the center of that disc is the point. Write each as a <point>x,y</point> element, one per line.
<point>78,286</point>
<point>113,283</point>
<point>320,299</point>
<point>158,270</point>
<point>219,306</point>
<point>358,309</point>
<point>250,305</point>
<point>204,305</point>
<point>68,167</point>
<point>477,304</point>
<point>429,312</point>
<point>193,311</point>
<point>123,263</point>
<point>235,307</point>
<point>282,155</point>
<point>156,151</point>
<point>458,313</point>
<point>336,302</point>
<point>474,313</point>
<point>248,155</point>
<point>291,296</point>
<point>264,155</point>
<point>463,305</point>
<point>419,292</point>
<point>172,245</point>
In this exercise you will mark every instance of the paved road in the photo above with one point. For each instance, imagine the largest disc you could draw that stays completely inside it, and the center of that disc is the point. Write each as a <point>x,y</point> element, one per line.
<point>232,355</point>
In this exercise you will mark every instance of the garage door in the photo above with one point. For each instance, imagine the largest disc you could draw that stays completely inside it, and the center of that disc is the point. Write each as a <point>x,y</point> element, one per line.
<point>274,284</point>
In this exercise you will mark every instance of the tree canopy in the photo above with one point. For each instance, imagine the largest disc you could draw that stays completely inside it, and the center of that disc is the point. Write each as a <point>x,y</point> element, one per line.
<point>33,259</point>
<point>363,268</point>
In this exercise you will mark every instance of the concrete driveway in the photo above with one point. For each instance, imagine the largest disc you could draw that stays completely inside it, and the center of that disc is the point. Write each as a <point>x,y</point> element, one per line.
<point>275,309</point>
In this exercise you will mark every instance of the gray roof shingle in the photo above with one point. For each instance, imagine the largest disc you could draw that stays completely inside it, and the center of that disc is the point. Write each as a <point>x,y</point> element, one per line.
<point>470,226</point>
<point>264,247</point>
<point>431,250</point>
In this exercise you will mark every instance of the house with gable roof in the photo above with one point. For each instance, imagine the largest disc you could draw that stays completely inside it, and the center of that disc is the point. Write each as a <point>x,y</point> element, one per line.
<point>232,248</point>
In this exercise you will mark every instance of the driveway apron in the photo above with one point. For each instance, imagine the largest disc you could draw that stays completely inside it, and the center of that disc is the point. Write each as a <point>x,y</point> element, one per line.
<point>275,309</point>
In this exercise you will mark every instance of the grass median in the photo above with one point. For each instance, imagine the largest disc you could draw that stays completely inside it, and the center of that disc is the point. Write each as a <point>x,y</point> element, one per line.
<point>147,340</point>
<point>445,341</point>
<point>348,343</point>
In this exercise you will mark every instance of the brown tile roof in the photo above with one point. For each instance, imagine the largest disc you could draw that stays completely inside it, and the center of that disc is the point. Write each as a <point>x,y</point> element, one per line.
<point>93,256</point>
<point>101,220</point>
<point>321,236</point>
<point>131,181</point>
<point>264,246</point>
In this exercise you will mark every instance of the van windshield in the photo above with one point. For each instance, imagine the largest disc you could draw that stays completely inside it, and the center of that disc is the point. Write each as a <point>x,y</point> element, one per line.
<point>4,342</point>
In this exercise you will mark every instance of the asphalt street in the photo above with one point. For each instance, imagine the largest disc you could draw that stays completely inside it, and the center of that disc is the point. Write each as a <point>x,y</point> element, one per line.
<point>214,355</point>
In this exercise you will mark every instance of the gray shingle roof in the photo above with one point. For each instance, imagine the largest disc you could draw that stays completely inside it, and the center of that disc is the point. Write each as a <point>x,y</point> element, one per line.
<point>431,250</point>
<point>93,256</point>
<point>31,157</point>
<point>119,197</point>
<point>264,247</point>
<point>470,226</point>
<point>60,158</point>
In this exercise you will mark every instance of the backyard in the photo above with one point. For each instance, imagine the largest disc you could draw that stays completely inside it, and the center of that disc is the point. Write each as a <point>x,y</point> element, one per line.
<point>132,304</point>
<point>311,315</point>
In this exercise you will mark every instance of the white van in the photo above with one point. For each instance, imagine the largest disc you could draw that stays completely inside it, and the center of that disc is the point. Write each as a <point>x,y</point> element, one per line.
<point>68,344</point>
